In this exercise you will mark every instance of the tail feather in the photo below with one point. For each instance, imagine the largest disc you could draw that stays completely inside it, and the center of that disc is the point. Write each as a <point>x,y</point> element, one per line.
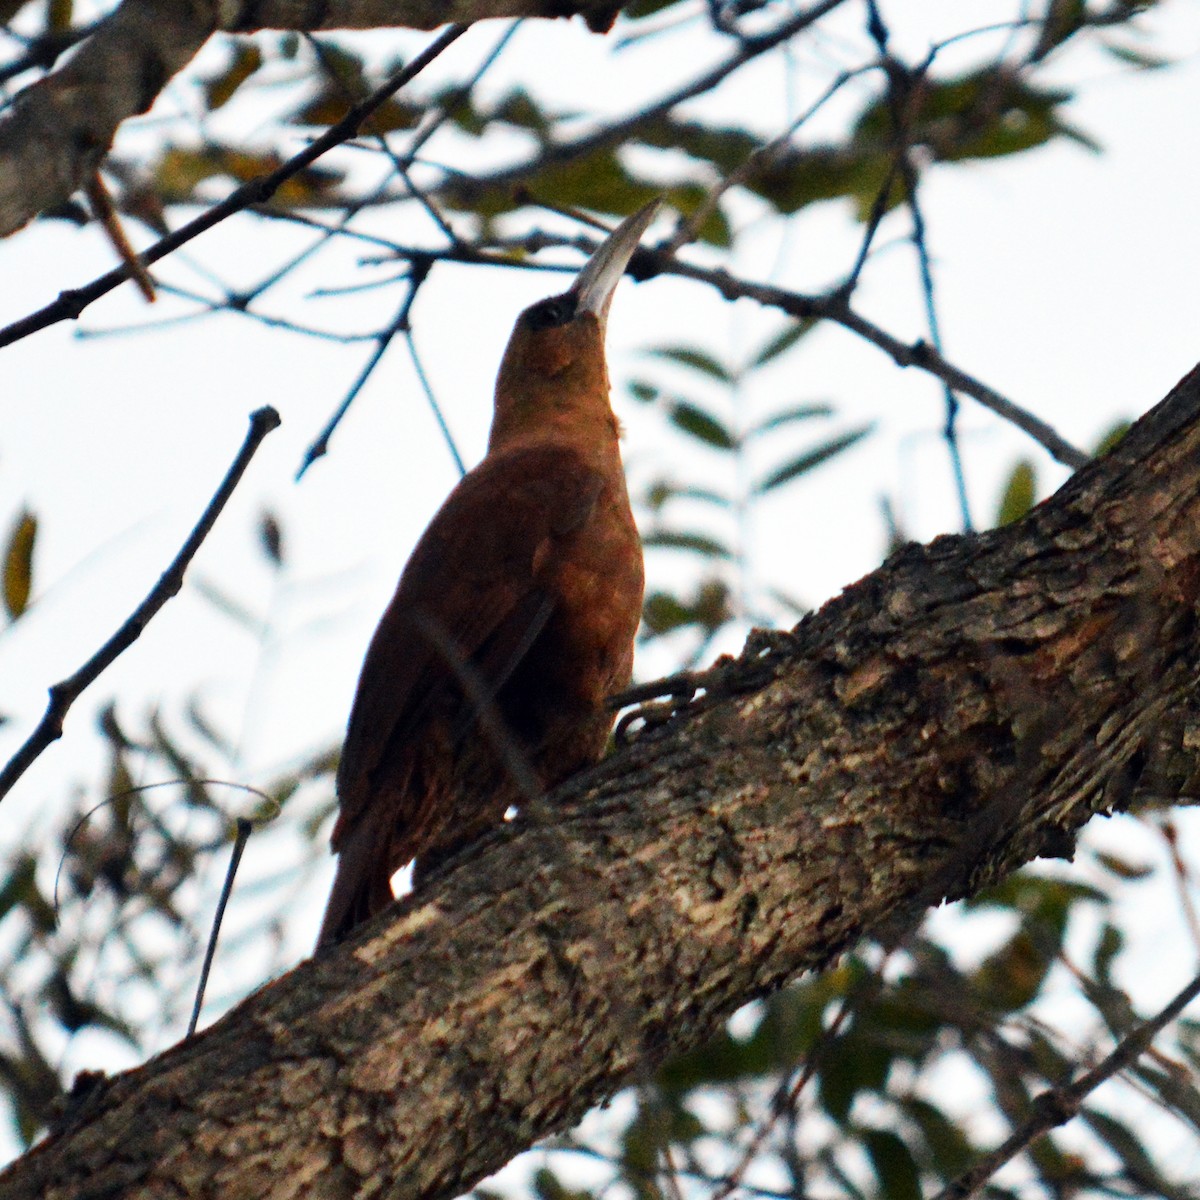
<point>362,886</point>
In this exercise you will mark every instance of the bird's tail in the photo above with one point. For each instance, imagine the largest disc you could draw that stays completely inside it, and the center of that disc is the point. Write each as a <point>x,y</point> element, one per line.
<point>362,886</point>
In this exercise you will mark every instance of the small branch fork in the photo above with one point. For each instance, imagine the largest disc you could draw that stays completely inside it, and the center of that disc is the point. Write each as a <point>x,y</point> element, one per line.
<point>66,692</point>
<point>649,261</point>
<point>1058,1105</point>
<point>71,303</point>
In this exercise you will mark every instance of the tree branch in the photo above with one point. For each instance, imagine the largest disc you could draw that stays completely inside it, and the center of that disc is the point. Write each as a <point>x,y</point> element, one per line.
<point>904,354</point>
<point>962,710</point>
<point>61,127</point>
<point>66,692</point>
<point>261,188</point>
<point>1058,1105</point>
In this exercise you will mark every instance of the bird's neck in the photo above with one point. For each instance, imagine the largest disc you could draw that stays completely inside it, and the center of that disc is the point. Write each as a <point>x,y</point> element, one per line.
<point>573,407</point>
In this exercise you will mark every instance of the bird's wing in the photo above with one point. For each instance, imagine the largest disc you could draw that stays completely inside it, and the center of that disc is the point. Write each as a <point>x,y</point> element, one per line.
<point>467,608</point>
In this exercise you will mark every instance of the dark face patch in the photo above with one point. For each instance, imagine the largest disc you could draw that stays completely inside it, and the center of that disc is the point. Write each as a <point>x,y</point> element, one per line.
<point>551,313</point>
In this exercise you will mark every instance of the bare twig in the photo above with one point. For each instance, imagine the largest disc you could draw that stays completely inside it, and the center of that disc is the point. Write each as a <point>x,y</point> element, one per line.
<point>761,159</point>
<point>244,828</point>
<point>1058,1105</point>
<point>1183,879</point>
<point>106,213</point>
<point>320,445</point>
<point>66,692</point>
<point>916,354</point>
<point>786,1098</point>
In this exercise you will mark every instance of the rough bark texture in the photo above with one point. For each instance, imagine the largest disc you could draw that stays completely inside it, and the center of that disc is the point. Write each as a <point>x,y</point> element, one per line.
<point>60,128</point>
<point>967,707</point>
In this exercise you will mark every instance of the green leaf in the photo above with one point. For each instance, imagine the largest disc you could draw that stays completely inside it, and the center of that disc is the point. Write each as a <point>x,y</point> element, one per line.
<point>460,110</point>
<point>693,358</point>
<point>686,199</point>
<point>1012,977</point>
<point>1061,21</point>
<point>1029,894</point>
<point>219,89</point>
<point>656,1126</point>
<point>1129,1149</point>
<point>949,1146</point>
<point>811,459</point>
<point>187,773</point>
<point>1109,944</point>
<point>1112,438</point>
<point>339,64</point>
<point>20,890</point>
<point>58,15</point>
<point>270,537</point>
<point>645,8</point>
<point>727,148</point>
<point>788,1027</point>
<point>989,113</point>
<point>74,1012</point>
<point>520,110</point>
<point>639,389</point>
<point>783,341</point>
<point>893,1164</point>
<point>663,490</point>
<point>547,1186</point>
<point>1017,498</point>
<point>1140,59</point>
<point>1123,868</point>
<point>709,608</point>
<point>181,170</point>
<point>789,416</point>
<point>694,421</point>
<point>207,729</point>
<point>332,104</point>
<point>228,606</point>
<point>852,1063</point>
<point>697,543</point>
<point>18,564</point>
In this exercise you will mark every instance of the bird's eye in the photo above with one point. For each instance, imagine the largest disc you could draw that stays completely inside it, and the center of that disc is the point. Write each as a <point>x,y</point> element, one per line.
<point>558,310</point>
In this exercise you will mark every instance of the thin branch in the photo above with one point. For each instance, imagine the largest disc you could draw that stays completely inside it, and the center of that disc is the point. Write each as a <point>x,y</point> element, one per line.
<point>558,153</point>
<point>916,354</point>
<point>110,222</point>
<point>904,84</point>
<point>761,159</point>
<point>461,94</point>
<point>72,302</point>
<point>438,415</point>
<point>66,692</point>
<point>319,447</point>
<point>1058,1105</point>
<point>244,828</point>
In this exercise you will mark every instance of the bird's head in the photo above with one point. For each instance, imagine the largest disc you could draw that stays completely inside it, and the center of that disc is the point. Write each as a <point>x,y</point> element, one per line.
<point>554,363</point>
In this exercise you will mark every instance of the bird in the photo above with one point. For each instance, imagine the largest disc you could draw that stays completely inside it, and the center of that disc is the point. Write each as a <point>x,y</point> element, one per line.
<point>487,681</point>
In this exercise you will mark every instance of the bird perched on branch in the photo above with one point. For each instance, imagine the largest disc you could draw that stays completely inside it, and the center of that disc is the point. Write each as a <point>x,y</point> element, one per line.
<point>513,622</point>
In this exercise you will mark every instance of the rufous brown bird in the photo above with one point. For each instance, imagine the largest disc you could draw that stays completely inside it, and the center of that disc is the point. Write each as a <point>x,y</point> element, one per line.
<point>486,682</point>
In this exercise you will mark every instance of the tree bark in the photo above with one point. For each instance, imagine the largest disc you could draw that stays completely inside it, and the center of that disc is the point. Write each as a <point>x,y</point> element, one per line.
<point>962,710</point>
<point>60,128</point>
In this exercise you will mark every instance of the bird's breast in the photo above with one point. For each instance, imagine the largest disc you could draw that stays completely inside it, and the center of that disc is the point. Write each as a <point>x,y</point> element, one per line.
<point>596,577</point>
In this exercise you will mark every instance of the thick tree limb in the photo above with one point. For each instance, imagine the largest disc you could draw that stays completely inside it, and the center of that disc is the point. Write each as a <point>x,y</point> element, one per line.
<point>962,710</point>
<point>61,127</point>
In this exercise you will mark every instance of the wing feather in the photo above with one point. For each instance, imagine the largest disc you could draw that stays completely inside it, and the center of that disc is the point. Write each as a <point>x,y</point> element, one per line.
<point>474,577</point>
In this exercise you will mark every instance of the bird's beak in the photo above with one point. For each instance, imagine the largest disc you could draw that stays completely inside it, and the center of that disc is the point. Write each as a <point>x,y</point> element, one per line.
<point>595,284</point>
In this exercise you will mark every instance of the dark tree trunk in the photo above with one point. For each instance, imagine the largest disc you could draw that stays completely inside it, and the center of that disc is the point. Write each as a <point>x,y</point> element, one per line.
<point>962,710</point>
